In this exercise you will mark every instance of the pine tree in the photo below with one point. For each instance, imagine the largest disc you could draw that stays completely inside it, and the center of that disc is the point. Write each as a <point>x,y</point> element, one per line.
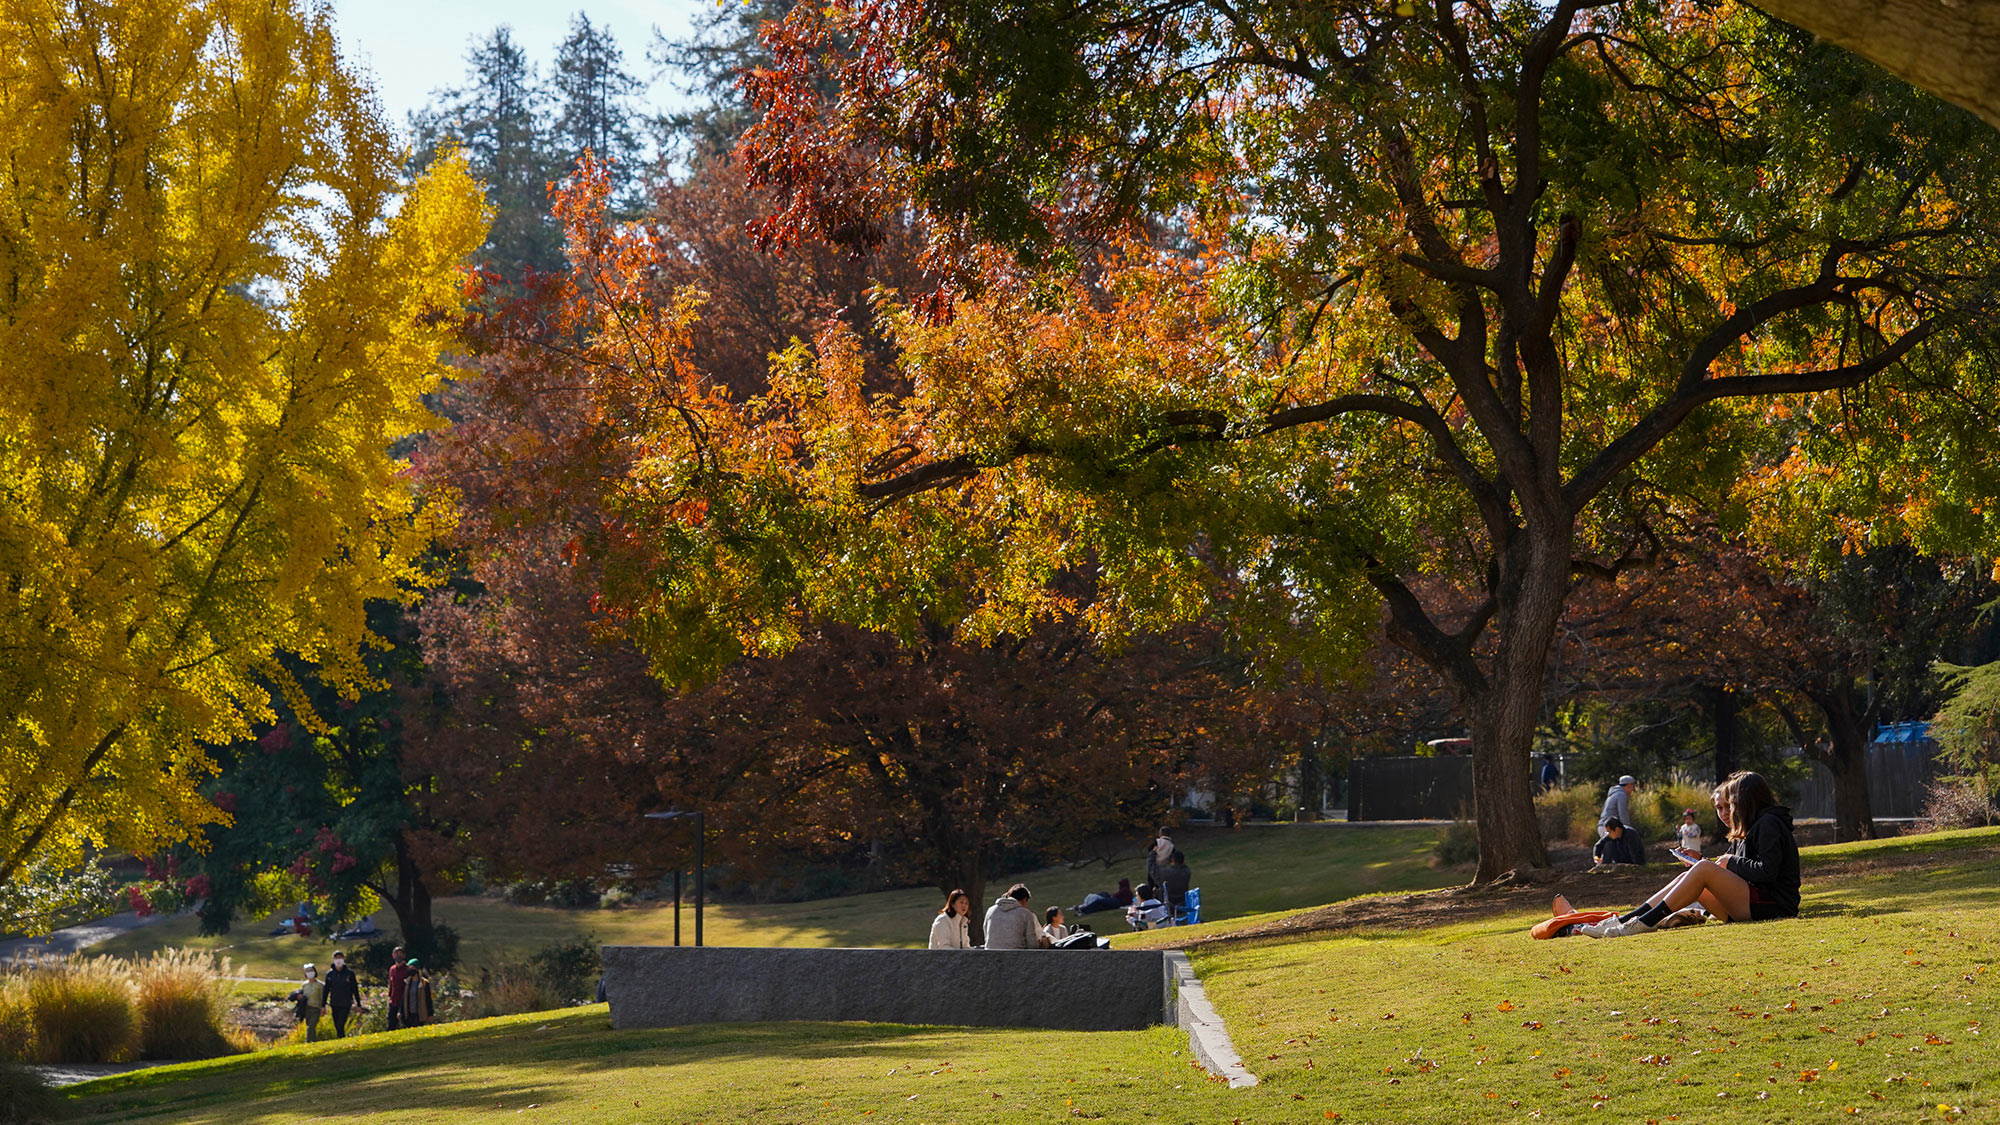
<point>497,118</point>
<point>594,95</point>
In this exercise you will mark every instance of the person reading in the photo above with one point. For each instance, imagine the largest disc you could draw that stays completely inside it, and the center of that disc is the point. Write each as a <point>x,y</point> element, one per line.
<point>1757,879</point>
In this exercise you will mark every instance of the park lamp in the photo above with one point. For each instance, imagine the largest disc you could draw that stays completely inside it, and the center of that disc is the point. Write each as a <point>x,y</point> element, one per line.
<point>699,880</point>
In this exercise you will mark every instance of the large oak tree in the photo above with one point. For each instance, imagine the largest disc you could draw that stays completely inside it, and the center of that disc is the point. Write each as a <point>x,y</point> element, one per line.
<point>1514,274</point>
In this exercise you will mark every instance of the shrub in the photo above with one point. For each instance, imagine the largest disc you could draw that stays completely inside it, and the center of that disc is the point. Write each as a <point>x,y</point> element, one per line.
<point>572,894</point>
<point>1569,812</point>
<point>83,1011</point>
<point>1459,844</point>
<point>569,968</point>
<point>615,897</point>
<point>17,1021</point>
<point>183,998</point>
<point>440,953</point>
<point>372,959</point>
<point>1958,802</point>
<point>24,1098</point>
<point>507,989</point>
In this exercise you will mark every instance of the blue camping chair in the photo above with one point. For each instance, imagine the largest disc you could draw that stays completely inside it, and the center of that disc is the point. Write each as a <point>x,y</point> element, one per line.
<point>1190,914</point>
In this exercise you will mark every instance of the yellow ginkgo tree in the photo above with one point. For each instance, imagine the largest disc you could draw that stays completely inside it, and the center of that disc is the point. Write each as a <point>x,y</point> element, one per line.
<point>220,307</point>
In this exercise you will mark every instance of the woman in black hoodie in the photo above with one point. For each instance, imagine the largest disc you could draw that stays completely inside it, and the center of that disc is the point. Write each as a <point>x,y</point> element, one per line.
<point>1757,879</point>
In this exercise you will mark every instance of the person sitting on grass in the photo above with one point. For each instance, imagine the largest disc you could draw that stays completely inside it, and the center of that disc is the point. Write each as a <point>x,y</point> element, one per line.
<point>1610,847</point>
<point>1756,880</point>
<point>1149,912</point>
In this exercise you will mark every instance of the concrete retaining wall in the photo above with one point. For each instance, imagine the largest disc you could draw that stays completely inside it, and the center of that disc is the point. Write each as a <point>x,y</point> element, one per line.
<point>1075,990</point>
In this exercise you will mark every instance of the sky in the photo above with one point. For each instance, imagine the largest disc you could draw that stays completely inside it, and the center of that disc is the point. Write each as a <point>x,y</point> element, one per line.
<point>413,47</point>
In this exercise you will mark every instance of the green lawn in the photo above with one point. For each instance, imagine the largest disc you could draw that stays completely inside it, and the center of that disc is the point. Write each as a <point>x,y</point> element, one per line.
<point>1253,870</point>
<point>1879,1001</point>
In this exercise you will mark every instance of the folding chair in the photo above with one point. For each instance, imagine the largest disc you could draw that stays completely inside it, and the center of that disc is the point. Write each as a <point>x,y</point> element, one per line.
<point>1190,914</point>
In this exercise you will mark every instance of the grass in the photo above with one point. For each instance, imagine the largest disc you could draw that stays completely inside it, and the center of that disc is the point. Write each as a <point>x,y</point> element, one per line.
<point>1250,871</point>
<point>1879,1000</point>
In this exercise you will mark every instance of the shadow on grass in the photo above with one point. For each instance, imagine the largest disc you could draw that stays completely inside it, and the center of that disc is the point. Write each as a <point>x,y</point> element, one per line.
<point>480,1066</point>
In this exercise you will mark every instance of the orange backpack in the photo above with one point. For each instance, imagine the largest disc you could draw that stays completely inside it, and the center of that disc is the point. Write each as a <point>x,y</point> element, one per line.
<point>1550,927</point>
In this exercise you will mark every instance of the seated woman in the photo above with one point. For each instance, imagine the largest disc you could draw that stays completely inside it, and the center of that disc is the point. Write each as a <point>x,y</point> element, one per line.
<point>1757,879</point>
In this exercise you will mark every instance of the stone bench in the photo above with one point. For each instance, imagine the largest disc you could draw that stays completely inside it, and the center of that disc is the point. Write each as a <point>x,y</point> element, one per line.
<point>1065,989</point>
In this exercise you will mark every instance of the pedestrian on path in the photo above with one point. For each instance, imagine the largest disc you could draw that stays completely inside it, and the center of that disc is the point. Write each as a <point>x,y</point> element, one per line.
<point>399,975</point>
<point>343,993</point>
<point>418,1002</point>
<point>310,997</point>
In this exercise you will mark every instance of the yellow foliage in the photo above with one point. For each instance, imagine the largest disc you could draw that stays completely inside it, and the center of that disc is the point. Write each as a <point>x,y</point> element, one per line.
<point>219,309</point>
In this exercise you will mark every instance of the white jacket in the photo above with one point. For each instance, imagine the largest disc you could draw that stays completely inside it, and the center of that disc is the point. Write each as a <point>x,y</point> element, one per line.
<point>951,931</point>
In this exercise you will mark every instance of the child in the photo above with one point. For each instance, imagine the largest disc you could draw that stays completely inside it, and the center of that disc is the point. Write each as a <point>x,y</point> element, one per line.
<point>1757,880</point>
<point>1053,927</point>
<point>1690,834</point>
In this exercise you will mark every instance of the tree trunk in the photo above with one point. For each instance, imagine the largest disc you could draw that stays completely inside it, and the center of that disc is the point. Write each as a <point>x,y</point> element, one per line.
<point>1846,757</point>
<point>1312,782</point>
<point>1722,708</point>
<point>410,899</point>
<point>966,871</point>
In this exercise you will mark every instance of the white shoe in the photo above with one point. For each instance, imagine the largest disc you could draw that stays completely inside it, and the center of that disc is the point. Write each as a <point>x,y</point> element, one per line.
<point>1612,927</point>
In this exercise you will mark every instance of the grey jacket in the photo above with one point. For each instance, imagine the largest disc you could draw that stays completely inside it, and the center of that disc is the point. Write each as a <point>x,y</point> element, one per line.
<point>1617,803</point>
<point>1010,925</point>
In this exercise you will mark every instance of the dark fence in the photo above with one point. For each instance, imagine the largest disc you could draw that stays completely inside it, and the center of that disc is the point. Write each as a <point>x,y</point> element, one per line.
<point>1409,788</point>
<point>1898,772</point>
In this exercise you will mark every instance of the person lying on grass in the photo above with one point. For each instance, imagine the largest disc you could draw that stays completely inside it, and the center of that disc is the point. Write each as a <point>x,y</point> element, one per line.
<point>1757,879</point>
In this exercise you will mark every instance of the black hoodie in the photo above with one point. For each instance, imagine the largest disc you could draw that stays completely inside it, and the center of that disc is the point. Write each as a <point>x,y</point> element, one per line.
<point>1768,857</point>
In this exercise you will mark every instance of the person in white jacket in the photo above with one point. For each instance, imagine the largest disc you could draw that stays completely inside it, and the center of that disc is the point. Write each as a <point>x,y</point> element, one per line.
<point>952,928</point>
<point>1010,924</point>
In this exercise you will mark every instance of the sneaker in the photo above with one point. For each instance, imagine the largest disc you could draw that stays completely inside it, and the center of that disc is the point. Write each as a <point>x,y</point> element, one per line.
<point>1612,927</point>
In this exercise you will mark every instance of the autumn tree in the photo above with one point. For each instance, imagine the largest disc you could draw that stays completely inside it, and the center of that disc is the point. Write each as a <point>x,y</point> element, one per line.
<point>1500,278</point>
<point>220,306</point>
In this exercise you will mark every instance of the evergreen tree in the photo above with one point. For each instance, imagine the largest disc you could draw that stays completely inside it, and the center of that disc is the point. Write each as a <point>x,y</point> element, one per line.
<point>594,100</point>
<point>497,117</point>
<point>724,45</point>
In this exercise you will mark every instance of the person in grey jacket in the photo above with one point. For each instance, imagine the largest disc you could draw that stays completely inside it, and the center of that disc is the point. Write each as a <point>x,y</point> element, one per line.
<point>1010,924</point>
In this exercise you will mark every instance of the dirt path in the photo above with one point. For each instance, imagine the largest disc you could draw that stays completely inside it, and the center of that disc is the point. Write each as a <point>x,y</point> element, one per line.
<point>1618,886</point>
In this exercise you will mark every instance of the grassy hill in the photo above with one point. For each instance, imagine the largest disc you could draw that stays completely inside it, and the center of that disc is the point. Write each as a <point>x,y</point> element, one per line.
<point>1250,871</point>
<point>1876,1006</point>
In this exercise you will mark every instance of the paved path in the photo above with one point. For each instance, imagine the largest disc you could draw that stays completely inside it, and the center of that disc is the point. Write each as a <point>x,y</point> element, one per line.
<point>73,939</point>
<point>69,1074</point>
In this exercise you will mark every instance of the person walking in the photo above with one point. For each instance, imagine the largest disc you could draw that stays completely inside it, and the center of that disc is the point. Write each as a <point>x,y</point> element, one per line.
<point>952,928</point>
<point>1010,924</point>
<point>311,998</point>
<point>1618,806</point>
<point>1551,775</point>
<point>343,993</point>
<point>417,998</point>
<point>399,976</point>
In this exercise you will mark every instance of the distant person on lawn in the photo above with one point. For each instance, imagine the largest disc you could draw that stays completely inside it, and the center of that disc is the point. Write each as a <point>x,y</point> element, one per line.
<point>343,993</point>
<point>1097,901</point>
<point>1618,805</point>
<point>1611,847</point>
<point>399,975</point>
<point>1688,836</point>
<point>418,1002</point>
<point>1757,879</point>
<point>1551,776</point>
<point>1149,912</point>
<point>311,1002</point>
<point>1010,924</point>
<point>952,928</point>
<point>1157,858</point>
<point>1175,880</point>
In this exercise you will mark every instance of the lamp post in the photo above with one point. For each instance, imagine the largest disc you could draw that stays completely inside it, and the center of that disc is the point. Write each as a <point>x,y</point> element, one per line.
<point>699,881</point>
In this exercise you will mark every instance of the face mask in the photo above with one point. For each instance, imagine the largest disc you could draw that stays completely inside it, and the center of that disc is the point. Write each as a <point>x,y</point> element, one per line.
<point>339,964</point>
